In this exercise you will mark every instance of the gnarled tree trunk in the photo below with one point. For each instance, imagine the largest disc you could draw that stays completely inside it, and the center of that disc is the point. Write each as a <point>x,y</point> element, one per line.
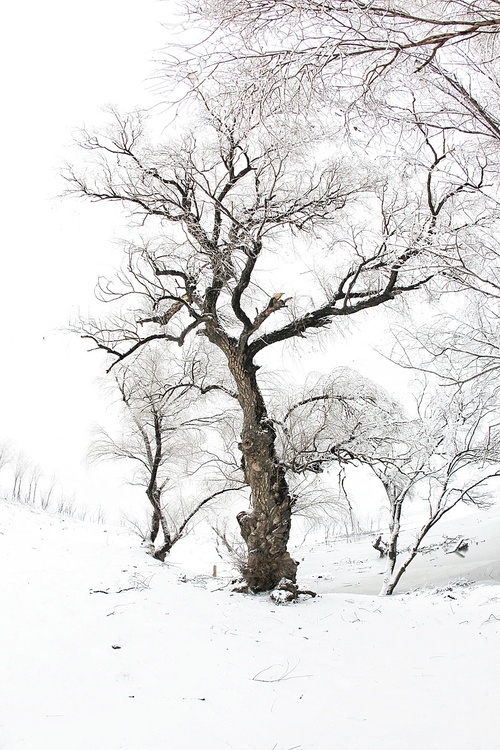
<point>158,519</point>
<point>266,529</point>
<point>389,584</point>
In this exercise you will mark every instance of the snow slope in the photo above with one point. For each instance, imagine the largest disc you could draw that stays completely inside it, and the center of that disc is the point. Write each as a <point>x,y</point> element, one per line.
<point>352,565</point>
<point>102,647</point>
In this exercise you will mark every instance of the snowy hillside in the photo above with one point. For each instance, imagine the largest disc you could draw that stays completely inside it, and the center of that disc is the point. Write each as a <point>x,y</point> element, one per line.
<point>104,647</point>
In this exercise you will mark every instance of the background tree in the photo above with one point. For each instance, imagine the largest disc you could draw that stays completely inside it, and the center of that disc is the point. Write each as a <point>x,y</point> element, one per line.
<point>163,433</point>
<point>452,457</point>
<point>5,454</point>
<point>447,453</point>
<point>302,45</point>
<point>343,417</point>
<point>464,348</point>
<point>382,30</point>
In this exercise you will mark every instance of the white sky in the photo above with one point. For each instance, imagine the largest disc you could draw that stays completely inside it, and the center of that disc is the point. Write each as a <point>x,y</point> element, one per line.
<point>62,63</point>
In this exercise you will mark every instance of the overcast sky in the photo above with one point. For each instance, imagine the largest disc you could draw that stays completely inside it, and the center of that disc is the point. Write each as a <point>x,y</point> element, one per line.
<point>61,64</point>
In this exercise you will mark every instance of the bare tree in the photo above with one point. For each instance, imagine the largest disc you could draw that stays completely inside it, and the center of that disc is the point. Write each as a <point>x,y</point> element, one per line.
<point>218,208</point>
<point>454,457</point>
<point>299,44</point>
<point>23,473</point>
<point>332,425</point>
<point>448,453</point>
<point>5,454</point>
<point>461,349</point>
<point>335,30</point>
<point>162,431</point>
<point>29,486</point>
<point>340,418</point>
<point>382,68</point>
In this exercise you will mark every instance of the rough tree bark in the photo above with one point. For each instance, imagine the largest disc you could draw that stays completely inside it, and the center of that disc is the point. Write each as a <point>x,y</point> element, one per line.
<point>389,585</point>
<point>266,529</point>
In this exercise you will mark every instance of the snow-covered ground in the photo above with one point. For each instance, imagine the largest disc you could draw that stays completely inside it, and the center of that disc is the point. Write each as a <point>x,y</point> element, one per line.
<point>103,648</point>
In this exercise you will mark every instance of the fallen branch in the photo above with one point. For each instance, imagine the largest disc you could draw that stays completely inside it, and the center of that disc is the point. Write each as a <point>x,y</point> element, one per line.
<point>287,674</point>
